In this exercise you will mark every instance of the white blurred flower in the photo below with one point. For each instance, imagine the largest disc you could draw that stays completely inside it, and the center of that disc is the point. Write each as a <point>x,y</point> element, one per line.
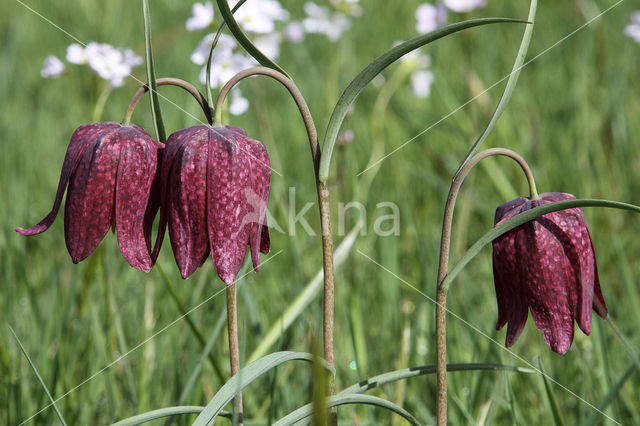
<point>430,17</point>
<point>52,67</point>
<point>226,44</point>
<point>239,104</point>
<point>294,32</point>
<point>633,29</point>
<point>76,54</point>
<point>224,66</point>
<point>259,16</point>
<point>421,81</point>
<point>321,20</point>
<point>110,63</point>
<point>202,16</point>
<point>462,6</point>
<point>269,44</point>
<point>348,7</point>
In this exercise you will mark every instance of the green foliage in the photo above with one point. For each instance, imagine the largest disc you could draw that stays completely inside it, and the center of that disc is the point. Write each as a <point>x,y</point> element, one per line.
<point>573,117</point>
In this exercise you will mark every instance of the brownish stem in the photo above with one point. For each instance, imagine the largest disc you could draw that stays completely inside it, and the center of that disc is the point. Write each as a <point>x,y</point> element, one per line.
<point>443,267</point>
<point>168,81</point>
<point>234,349</point>
<point>323,200</point>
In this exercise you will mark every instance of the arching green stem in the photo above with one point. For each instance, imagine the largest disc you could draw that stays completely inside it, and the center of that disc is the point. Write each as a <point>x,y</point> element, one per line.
<point>445,242</point>
<point>168,81</point>
<point>322,189</point>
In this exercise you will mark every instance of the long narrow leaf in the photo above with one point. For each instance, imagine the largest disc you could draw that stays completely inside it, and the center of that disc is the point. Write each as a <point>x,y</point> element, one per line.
<point>35,370</point>
<point>373,69</point>
<point>158,414</point>
<point>334,401</point>
<point>610,396</point>
<point>245,377</point>
<point>511,83</point>
<point>407,373</point>
<point>555,410</point>
<point>244,41</point>
<point>526,217</point>
<point>151,75</point>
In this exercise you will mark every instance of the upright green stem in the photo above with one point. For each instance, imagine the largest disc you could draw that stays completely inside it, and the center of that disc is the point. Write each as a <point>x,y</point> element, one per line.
<point>234,348</point>
<point>167,81</point>
<point>445,242</point>
<point>322,190</point>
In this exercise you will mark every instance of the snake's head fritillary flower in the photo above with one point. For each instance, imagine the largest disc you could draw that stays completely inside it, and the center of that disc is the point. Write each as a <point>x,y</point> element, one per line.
<point>215,185</point>
<point>109,172</point>
<point>548,266</point>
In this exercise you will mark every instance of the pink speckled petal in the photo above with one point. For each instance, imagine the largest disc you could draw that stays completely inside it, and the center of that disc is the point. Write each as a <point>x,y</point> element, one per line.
<point>90,202</point>
<point>228,178</point>
<point>174,144</point>
<point>260,176</point>
<point>83,136</point>
<point>136,173</point>
<point>186,205</point>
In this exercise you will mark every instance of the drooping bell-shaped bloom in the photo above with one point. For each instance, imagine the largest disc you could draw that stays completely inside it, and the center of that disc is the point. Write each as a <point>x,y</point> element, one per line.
<point>109,172</point>
<point>215,185</point>
<point>548,266</point>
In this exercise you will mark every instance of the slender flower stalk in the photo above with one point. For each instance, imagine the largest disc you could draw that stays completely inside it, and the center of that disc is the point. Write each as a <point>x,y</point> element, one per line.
<point>234,349</point>
<point>322,189</point>
<point>168,81</point>
<point>445,245</point>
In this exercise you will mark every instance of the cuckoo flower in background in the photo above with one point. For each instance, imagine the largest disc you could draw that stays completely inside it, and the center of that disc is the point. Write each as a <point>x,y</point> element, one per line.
<point>110,170</point>
<point>547,265</point>
<point>633,29</point>
<point>215,185</point>
<point>463,6</point>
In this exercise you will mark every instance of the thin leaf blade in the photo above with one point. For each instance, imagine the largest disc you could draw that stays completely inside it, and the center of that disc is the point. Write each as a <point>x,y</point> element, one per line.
<point>245,377</point>
<point>376,67</point>
<point>158,123</point>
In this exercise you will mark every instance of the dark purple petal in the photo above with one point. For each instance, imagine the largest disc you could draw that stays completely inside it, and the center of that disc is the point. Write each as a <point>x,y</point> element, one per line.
<point>136,173</point>
<point>91,196</point>
<point>175,143</point>
<point>265,241</point>
<point>186,202</point>
<point>260,176</point>
<point>544,269</point>
<point>77,146</point>
<point>228,177</point>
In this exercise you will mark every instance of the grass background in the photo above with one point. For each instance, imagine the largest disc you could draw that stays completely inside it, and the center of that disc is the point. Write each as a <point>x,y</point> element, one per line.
<point>573,117</point>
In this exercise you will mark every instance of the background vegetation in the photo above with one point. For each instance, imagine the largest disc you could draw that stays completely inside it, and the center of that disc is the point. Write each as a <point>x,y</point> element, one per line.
<point>573,117</point>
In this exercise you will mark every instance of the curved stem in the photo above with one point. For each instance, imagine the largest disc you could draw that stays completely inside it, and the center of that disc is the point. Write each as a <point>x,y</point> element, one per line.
<point>322,190</point>
<point>167,81</point>
<point>445,243</point>
<point>312,134</point>
<point>234,348</point>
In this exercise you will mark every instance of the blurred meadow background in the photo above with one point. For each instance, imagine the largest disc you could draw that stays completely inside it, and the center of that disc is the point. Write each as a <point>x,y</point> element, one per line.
<point>574,117</point>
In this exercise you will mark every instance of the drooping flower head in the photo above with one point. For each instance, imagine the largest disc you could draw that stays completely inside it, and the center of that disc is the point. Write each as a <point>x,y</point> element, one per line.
<point>109,172</point>
<point>215,185</point>
<point>548,266</point>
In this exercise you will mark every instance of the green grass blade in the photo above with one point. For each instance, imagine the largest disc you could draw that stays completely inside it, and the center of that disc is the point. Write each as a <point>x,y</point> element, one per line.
<point>555,410</point>
<point>158,123</point>
<point>235,29</point>
<point>192,326</point>
<point>511,83</point>
<point>376,67</point>
<point>334,401</point>
<point>297,307</point>
<point>526,217</point>
<point>407,373</point>
<point>158,414</point>
<point>610,396</point>
<point>245,377</point>
<point>35,370</point>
